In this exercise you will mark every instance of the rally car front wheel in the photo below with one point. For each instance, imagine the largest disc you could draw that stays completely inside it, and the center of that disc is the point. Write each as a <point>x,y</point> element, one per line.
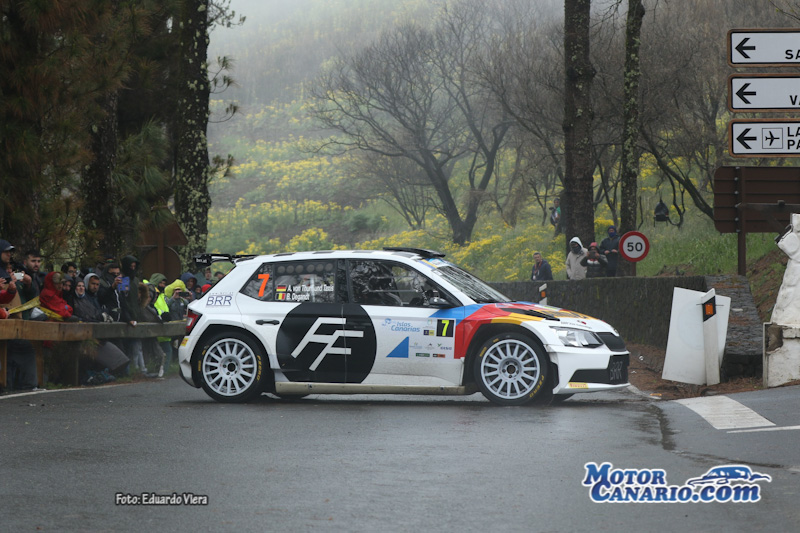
<point>511,369</point>
<point>232,367</point>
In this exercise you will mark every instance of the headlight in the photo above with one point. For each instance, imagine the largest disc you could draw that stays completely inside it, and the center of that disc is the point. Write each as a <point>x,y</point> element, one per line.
<point>578,338</point>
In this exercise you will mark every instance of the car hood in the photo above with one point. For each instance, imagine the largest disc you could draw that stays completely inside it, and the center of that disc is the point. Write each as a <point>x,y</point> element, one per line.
<point>525,311</point>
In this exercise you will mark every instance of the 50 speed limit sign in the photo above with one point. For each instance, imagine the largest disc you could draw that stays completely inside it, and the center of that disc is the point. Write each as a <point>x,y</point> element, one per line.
<point>633,246</point>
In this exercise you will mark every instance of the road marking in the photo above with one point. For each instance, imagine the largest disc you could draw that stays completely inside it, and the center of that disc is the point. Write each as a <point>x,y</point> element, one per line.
<point>725,413</point>
<point>781,428</point>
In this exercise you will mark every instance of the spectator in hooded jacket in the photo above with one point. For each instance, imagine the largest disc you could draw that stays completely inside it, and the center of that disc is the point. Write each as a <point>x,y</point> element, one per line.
<point>595,262</point>
<point>177,301</point>
<point>610,248</point>
<point>576,253</point>
<point>190,282</point>
<point>51,296</point>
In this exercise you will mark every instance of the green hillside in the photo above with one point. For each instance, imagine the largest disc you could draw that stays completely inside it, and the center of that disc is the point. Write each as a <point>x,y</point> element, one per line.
<point>284,195</point>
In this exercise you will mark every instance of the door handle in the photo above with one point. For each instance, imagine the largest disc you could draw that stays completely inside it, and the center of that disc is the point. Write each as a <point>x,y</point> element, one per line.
<point>261,322</point>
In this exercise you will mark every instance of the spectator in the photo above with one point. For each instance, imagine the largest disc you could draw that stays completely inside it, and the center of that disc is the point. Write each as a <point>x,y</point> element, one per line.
<point>107,294</point>
<point>207,277</point>
<point>541,270</point>
<point>555,216</point>
<point>147,313</point>
<point>177,302</point>
<point>6,250</point>
<point>8,287</point>
<point>190,282</point>
<point>70,268</point>
<point>595,262</point>
<point>32,265</point>
<point>159,281</point>
<point>88,308</point>
<point>576,253</point>
<point>218,275</point>
<point>51,297</point>
<point>131,312</point>
<point>21,358</point>
<point>67,285</point>
<point>610,248</point>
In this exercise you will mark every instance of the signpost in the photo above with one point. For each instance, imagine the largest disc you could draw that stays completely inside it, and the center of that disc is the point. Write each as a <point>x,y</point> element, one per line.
<point>764,47</point>
<point>760,199</point>
<point>759,138</point>
<point>764,92</point>
<point>634,246</point>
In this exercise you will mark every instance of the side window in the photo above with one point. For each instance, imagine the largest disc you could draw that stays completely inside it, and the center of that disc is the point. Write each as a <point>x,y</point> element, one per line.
<point>260,285</point>
<point>386,283</point>
<point>413,287</point>
<point>305,281</point>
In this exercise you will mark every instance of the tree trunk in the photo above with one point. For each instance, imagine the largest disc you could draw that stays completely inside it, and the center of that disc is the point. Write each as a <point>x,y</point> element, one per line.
<point>192,199</point>
<point>577,209</point>
<point>100,199</point>
<point>630,115</point>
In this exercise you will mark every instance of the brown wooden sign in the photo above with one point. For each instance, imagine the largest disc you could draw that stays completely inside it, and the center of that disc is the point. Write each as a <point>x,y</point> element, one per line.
<point>754,200</point>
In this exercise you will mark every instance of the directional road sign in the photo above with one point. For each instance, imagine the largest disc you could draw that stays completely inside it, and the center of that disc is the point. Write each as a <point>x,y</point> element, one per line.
<point>634,246</point>
<point>764,92</point>
<point>759,138</point>
<point>773,47</point>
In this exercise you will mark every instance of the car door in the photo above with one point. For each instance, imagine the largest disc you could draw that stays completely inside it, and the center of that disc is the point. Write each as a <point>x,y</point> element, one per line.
<point>415,339</point>
<point>295,307</point>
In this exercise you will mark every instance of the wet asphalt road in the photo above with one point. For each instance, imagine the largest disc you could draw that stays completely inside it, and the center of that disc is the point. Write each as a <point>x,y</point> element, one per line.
<point>358,463</point>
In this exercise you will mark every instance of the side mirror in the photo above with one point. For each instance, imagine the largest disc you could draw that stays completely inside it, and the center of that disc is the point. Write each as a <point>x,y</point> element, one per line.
<point>437,301</point>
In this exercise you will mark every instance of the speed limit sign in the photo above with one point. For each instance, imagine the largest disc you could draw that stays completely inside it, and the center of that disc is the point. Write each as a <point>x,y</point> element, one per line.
<point>633,246</point>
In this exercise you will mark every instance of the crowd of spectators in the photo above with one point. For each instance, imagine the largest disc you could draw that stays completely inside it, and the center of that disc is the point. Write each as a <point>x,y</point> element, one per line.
<point>111,291</point>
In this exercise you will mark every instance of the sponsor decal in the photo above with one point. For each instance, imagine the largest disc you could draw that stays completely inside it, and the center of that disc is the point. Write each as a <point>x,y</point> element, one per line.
<point>218,300</point>
<point>326,343</point>
<point>400,325</point>
<point>576,385</point>
<point>423,354</point>
<point>720,484</point>
<point>439,355</point>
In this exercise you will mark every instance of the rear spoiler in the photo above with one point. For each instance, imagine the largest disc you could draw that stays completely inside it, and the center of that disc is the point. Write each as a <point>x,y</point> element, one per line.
<point>205,260</point>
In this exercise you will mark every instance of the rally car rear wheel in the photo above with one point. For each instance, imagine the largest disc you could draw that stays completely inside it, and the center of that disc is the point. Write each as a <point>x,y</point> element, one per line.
<point>232,367</point>
<point>511,369</point>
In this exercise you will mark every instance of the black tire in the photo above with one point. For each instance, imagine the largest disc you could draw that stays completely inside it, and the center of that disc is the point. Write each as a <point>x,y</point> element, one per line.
<point>233,367</point>
<point>511,369</point>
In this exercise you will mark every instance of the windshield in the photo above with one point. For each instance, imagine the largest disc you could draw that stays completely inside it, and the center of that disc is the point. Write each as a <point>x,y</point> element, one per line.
<point>469,284</point>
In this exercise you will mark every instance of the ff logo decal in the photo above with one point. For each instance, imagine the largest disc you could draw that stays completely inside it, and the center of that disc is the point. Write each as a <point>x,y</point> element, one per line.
<point>328,340</point>
<point>329,343</point>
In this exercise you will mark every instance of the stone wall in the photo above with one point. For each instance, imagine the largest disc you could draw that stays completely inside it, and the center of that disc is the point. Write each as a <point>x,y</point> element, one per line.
<point>639,308</point>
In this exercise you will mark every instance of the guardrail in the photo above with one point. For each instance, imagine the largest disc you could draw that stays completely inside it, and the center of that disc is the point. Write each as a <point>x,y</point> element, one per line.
<point>37,332</point>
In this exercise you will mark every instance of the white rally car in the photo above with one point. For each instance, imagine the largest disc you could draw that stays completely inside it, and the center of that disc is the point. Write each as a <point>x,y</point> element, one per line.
<point>401,320</point>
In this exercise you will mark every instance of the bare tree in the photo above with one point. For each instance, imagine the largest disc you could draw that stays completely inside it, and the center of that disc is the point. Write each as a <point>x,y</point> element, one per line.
<point>414,94</point>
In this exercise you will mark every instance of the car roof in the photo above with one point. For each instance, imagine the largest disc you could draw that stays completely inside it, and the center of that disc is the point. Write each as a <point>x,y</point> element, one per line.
<point>394,253</point>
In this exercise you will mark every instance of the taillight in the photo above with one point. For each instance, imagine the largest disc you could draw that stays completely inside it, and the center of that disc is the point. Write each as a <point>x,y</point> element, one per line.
<point>191,320</point>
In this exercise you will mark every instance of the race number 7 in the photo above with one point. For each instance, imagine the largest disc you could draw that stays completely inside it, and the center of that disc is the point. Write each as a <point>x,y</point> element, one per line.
<point>444,328</point>
<point>264,279</point>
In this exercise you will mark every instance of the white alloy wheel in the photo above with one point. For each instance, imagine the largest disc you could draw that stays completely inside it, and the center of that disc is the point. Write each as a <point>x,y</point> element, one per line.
<point>231,368</point>
<point>510,369</point>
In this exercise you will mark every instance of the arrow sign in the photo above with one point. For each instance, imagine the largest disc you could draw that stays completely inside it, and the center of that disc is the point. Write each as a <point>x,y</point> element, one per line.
<point>767,47</point>
<point>764,92</point>
<point>742,49</point>
<point>764,138</point>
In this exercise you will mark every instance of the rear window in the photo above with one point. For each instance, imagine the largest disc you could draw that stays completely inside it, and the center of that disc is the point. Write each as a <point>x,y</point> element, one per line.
<point>295,281</point>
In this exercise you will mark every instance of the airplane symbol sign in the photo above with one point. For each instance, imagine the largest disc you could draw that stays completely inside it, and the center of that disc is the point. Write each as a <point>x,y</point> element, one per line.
<point>764,138</point>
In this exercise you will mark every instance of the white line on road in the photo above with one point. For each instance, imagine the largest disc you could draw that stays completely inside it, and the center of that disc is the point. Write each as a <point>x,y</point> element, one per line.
<point>725,413</point>
<point>777,428</point>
